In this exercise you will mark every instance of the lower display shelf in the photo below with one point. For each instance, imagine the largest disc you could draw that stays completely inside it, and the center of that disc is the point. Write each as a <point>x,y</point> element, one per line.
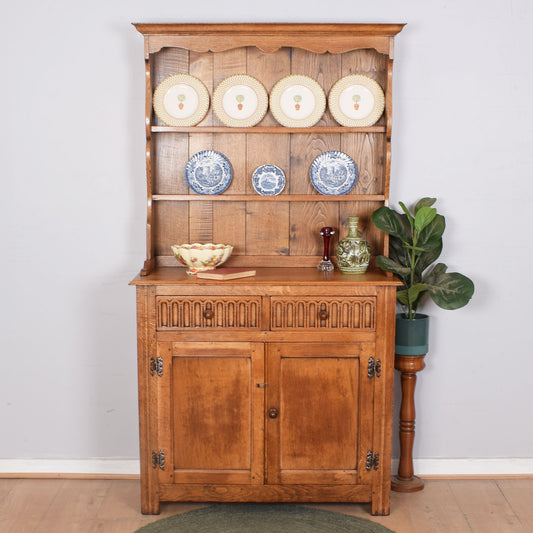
<point>279,198</point>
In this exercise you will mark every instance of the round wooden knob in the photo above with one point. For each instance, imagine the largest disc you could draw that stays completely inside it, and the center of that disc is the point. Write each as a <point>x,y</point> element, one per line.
<point>273,413</point>
<point>323,314</point>
<point>208,314</point>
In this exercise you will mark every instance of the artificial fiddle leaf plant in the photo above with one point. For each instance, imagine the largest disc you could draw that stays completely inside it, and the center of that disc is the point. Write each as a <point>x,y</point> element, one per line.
<point>415,244</point>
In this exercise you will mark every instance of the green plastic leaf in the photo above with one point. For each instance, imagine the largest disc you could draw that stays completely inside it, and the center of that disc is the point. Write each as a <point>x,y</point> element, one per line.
<point>410,298</point>
<point>415,292</point>
<point>398,252</point>
<point>449,290</point>
<point>408,215</point>
<point>424,202</point>
<point>403,297</point>
<point>432,231</point>
<point>430,244</point>
<point>431,253</point>
<point>424,217</point>
<point>390,222</point>
<point>437,271</point>
<point>386,263</point>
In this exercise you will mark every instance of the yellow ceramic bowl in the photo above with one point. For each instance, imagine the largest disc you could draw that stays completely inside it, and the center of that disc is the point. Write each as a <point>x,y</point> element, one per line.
<point>199,257</point>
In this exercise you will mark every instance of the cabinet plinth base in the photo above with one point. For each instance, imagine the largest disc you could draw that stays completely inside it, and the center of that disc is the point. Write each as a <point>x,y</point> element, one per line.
<point>187,492</point>
<point>413,484</point>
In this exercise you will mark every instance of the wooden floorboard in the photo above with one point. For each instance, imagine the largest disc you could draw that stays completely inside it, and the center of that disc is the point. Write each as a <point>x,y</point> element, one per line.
<point>519,495</point>
<point>25,505</point>
<point>485,507</point>
<point>112,506</point>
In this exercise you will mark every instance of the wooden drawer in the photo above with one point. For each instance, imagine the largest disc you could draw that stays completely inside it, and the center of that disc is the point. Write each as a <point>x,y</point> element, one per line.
<point>192,312</point>
<point>343,313</point>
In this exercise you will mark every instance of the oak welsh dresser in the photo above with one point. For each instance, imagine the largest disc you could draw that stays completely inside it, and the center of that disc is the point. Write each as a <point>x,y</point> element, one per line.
<point>276,387</point>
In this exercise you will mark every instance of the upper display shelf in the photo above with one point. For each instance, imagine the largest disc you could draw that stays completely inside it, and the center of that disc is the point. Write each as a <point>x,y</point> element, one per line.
<point>270,37</point>
<point>268,129</point>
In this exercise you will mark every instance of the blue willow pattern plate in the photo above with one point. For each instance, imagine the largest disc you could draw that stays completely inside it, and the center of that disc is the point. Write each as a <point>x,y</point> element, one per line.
<point>333,173</point>
<point>268,180</point>
<point>208,172</point>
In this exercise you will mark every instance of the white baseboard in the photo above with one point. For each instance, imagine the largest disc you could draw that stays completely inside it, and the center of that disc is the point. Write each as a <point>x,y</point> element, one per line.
<point>101,467</point>
<point>130,467</point>
<point>508,466</point>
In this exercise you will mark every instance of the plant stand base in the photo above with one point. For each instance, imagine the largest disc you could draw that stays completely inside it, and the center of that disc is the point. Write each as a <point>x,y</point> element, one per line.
<point>414,484</point>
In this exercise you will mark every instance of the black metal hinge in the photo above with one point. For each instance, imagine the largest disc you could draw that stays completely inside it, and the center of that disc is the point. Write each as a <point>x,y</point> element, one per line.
<point>372,460</point>
<point>158,459</point>
<point>156,366</point>
<point>374,368</point>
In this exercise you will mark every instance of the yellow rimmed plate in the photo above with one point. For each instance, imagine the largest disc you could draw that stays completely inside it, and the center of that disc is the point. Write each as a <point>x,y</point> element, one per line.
<point>181,100</point>
<point>240,101</point>
<point>356,100</point>
<point>297,101</point>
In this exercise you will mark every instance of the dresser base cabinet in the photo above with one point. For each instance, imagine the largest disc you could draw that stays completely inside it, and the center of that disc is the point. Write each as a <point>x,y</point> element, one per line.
<point>277,388</point>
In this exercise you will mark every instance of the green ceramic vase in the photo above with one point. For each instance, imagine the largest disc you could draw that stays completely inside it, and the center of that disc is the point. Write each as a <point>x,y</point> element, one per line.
<point>412,335</point>
<point>353,252</point>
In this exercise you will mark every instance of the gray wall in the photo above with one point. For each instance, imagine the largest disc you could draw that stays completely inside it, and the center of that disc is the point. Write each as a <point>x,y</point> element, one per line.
<point>72,207</point>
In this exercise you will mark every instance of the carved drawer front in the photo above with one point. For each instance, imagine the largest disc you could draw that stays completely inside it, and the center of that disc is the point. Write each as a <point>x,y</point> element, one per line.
<point>182,313</point>
<point>355,313</point>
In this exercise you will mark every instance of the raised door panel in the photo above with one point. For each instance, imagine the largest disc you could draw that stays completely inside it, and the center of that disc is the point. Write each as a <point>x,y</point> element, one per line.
<point>210,406</point>
<point>315,436</point>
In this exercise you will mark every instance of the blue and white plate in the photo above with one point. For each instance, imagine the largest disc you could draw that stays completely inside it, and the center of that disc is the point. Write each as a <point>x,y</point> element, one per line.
<point>268,180</point>
<point>208,172</point>
<point>333,173</point>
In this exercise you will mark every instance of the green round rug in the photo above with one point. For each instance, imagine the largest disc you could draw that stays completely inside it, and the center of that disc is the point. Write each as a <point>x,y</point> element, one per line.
<point>262,518</point>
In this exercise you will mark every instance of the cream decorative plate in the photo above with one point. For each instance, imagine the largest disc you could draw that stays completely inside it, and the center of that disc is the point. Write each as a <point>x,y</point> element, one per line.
<point>356,100</point>
<point>297,101</point>
<point>240,101</point>
<point>181,100</point>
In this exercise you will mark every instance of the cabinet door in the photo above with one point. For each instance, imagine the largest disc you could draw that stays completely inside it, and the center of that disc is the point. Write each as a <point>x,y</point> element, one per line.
<point>318,413</point>
<point>211,412</point>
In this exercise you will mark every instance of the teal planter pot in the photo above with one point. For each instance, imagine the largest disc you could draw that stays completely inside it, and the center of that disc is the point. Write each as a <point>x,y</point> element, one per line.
<point>412,335</point>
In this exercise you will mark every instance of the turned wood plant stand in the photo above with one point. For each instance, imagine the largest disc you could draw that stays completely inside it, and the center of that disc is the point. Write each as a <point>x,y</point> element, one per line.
<point>406,481</point>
